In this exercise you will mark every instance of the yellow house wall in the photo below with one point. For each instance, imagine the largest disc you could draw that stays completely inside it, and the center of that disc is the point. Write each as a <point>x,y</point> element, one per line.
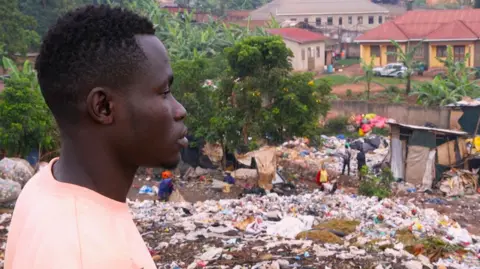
<point>434,62</point>
<point>379,61</point>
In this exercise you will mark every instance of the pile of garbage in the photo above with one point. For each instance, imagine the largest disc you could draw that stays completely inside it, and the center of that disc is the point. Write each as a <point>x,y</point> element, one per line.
<point>366,122</point>
<point>458,182</point>
<point>314,230</point>
<point>297,155</point>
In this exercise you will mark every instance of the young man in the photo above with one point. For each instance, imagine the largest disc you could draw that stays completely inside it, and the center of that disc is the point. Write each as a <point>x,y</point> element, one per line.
<point>346,156</point>
<point>361,161</point>
<point>106,78</point>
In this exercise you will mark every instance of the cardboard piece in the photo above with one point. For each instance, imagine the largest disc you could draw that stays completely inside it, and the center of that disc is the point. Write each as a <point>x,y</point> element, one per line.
<point>266,167</point>
<point>176,197</point>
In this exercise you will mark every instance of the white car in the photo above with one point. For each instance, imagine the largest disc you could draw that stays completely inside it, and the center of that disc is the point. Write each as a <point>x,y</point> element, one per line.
<point>390,70</point>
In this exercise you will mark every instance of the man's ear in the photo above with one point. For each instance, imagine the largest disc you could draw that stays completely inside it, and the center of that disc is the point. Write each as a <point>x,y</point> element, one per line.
<point>100,105</point>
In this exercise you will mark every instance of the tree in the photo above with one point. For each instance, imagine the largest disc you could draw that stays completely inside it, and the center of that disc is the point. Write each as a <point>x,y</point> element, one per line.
<point>297,107</point>
<point>17,34</point>
<point>367,76</point>
<point>259,63</point>
<point>25,121</point>
<point>407,57</point>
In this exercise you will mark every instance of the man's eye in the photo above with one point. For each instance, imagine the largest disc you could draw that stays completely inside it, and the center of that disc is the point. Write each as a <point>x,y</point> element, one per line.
<point>165,93</point>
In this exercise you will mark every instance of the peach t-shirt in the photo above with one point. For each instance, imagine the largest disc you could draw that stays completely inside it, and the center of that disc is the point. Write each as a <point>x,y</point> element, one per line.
<point>58,225</point>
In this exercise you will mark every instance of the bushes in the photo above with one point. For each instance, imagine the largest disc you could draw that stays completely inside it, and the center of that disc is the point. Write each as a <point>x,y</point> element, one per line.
<point>376,185</point>
<point>336,125</point>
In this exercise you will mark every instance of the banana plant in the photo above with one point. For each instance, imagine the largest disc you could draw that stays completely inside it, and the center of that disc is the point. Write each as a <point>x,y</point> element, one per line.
<point>368,76</point>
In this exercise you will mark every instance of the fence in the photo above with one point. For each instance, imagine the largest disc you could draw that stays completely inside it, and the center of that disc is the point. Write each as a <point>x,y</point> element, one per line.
<point>415,115</point>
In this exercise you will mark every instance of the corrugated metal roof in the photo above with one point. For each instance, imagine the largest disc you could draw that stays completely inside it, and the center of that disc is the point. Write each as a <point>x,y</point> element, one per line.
<point>429,25</point>
<point>325,7</point>
<point>417,127</point>
<point>312,7</point>
<point>298,35</point>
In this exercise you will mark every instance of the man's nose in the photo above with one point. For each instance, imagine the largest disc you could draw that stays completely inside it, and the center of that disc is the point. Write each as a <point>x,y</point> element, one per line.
<point>180,111</point>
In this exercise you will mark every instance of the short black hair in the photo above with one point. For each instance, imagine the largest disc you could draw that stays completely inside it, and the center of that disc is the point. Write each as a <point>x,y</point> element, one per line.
<point>92,46</point>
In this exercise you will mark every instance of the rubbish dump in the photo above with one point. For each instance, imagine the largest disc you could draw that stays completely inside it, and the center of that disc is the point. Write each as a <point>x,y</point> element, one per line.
<point>458,182</point>
<point>313,230</point>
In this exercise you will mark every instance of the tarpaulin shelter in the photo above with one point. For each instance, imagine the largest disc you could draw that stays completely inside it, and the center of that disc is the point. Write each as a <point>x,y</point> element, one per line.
<point>419,155</point>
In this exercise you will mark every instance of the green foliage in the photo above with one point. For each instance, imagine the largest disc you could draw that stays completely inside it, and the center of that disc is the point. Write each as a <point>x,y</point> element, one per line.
<point>255,54</point>
<point>186,39</point>
<point>368,76</point>
<point>219,7</point>
<point>373,185</point>
<point>25,121</point>
<point>449,89</point>
<point>349,93</point>
<point>297,107</point>
<point>336,125</point>
<point>407,57</point>
<point>336,79</point>
<point>17,33</point>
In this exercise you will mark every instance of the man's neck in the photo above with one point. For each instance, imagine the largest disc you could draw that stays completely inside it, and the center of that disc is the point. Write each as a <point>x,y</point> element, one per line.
<point>99,171</point>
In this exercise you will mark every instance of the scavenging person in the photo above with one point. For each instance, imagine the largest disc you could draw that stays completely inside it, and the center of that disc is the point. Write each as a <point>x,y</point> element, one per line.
<point>361,161</point>
<point>323,181</point>
<point>165,188</point>
<point>106,78</point>
<point>346,156</point>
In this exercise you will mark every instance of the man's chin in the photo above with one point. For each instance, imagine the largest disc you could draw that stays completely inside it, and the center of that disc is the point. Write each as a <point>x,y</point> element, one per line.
<point>171,164</point>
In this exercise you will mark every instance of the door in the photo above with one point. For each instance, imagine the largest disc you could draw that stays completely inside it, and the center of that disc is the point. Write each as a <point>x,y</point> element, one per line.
<point>391,58</point>
<point>311,63</point>
<point>310,59</point>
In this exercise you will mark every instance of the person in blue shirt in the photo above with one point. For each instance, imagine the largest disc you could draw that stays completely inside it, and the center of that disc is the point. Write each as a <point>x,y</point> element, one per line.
<point>165,189</point>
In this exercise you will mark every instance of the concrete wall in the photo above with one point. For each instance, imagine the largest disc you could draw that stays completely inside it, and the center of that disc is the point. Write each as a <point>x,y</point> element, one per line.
<point>365,53</point>
<point>300,64</point>
<point>469,48</point>
<point>415,115</point>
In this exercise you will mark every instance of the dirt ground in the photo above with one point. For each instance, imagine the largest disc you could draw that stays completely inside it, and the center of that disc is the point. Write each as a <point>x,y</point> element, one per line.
<point>356,70</point>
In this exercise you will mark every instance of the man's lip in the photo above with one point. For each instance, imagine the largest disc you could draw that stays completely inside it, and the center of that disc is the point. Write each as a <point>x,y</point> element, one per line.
<point>183,142</point>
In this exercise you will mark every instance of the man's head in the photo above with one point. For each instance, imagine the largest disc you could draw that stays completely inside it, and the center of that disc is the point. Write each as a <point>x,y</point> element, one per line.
<point>105,75</point>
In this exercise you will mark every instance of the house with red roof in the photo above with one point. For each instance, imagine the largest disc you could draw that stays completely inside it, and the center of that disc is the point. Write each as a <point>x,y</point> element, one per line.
<point>438,29</point>
<point>308,48</point>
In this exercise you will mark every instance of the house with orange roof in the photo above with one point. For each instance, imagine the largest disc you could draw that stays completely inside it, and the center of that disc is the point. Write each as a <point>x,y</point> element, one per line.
<point>436,28</point>
<point>308,48</point>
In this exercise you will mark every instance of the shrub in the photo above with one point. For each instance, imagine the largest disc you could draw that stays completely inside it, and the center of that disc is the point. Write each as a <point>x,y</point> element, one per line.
<point>376,185</point>
<point>336,125</point>
<point>349,93</point>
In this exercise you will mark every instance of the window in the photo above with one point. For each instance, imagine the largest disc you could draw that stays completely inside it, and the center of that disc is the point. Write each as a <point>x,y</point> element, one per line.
<point>360,19</point>
<point>375,50</point>
<point>305,20</point>
<point>441,51</point>
<point>329,21</point>
<point>419,52</point>
<point>380,19</point>
<point>303,54</point>
<point>310,52</point>
<point>293,19</point>
<point>318,52</point>
<point>318,21</point>
<point>458,53</point>
<point>340,21</point>
<point>350,20</point>
<point>371,20</point>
